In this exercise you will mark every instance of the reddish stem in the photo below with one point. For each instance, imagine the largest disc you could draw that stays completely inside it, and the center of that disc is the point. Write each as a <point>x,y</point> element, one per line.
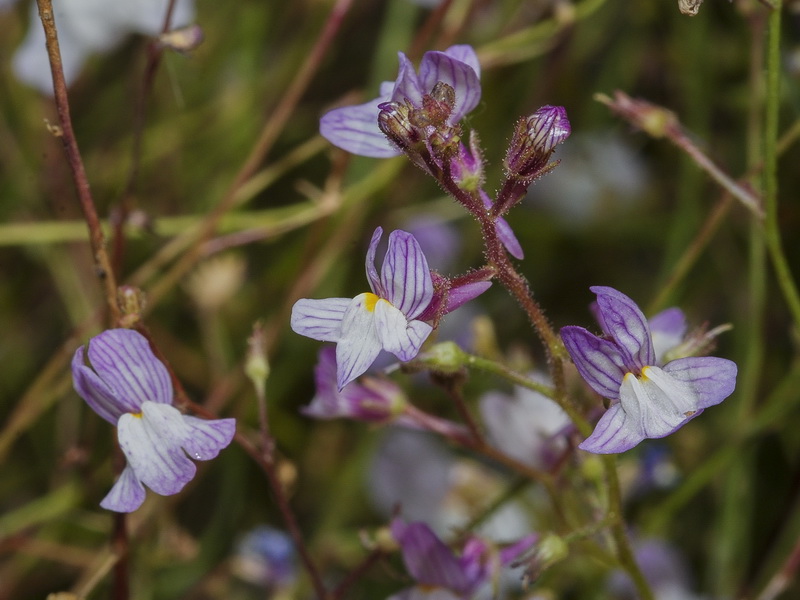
<point>65,132</point>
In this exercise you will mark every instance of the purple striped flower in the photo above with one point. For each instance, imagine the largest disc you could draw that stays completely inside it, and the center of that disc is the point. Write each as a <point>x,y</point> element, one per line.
<point>373,400</point>
<point>439,573</point>
<point>355,128</point>
<point>129,387</point>
<point>648,400</point>
<point>383,319</point>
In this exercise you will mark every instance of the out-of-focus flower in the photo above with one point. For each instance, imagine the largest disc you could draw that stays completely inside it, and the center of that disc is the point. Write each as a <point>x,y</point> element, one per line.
<point>667,330</point>
<point>371,399</point>
<point>600,177</point>
<point>412,470</point>
<point>130,388</point>
<point>663,568</point>
<point>525,426</point>
<point>355,128</point>
<point>216,281</point>
<point>383,319</point>
<point>266,557</point>
<point>182,40</point>
<point>89,26</point>
<point>439,573</point>
<point>439,239</point>
<point>648,401</point>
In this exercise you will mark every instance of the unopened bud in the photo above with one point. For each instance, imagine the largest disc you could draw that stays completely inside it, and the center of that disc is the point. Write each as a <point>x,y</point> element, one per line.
<point>466,167</point>
<point>445,357</point>
<point>534,140</point>
<point>654,120</point>
<point>550,550</point>
<point>436,106</point>
<point>394,120</point>
<point>131,301</point>
<point>384,540</point>
<point>256,366</point>
<point>215,281</point>
<point>182,40</point>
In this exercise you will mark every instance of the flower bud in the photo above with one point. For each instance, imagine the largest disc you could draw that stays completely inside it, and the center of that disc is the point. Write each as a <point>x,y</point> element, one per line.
<point>445,357</point>
<point>437,106</point>
<point>550,550</point>
<point>534,140</point>
<point>182,40</point>
<point>656,121</point>
<point>466,167</point>
<point>216,281</point>
<point>394,120</point>
<point>256,365</point>
<point>131,301</point>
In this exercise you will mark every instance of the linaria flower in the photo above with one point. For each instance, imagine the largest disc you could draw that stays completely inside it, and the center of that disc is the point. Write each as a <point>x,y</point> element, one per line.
<point>86,27</point>
<point>535,138</point>
<point>525,426</point>
<point>372,400</point>
<point>383,319</point>
<point>355,128</point>
<point>266,557</point>
<point>439,573</point>
<point>415,471</point>
<point>130,388</point>
<point>648,400</point>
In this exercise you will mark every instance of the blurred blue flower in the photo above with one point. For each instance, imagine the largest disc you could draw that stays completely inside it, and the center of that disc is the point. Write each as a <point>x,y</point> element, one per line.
<point>648,401</point>
<point>266,556</point>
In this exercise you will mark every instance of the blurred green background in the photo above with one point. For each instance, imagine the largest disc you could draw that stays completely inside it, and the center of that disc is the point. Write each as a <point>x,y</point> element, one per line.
<point>621,210</point>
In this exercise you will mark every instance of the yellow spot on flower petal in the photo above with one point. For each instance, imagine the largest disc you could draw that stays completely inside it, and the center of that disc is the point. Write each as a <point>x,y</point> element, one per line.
<point>370,300</point>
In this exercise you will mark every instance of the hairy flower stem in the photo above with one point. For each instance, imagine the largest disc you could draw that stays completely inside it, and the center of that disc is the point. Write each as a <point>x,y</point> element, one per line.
<point>64,131</point>
<point>515,283</point>
<point>512,191</point>
<point>518,287</point>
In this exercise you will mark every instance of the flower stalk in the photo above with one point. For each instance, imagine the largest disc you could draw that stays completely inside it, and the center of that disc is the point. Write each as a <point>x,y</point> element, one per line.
<point>65,132</point>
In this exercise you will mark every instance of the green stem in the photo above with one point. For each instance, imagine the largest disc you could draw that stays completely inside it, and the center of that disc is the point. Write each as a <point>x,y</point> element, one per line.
<point>624,551</point>
<point>771,226</point>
